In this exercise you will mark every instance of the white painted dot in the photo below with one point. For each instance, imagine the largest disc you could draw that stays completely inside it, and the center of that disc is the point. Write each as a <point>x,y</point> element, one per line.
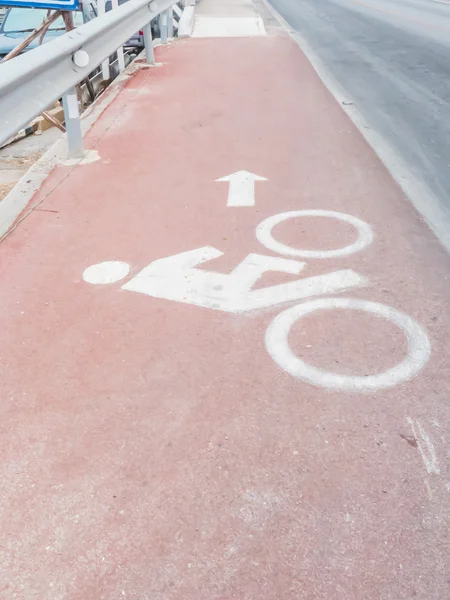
<point>277,344</point>
<point>264,234</point>
<point>109,271</point>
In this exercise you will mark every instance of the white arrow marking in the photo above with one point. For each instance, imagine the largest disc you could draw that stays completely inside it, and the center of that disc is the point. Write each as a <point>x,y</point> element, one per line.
<point>242,188</point>
<point>176,278</point>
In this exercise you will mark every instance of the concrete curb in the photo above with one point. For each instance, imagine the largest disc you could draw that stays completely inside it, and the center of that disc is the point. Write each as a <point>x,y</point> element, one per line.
<point>186,23</point>
<point>17,200</point>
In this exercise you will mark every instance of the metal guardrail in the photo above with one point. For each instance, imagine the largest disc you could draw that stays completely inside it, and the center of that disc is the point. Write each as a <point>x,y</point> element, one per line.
<point>31,82</point>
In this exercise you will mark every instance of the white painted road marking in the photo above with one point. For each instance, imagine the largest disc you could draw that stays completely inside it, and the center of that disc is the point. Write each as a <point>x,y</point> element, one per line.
<point>176,278</point>
<point>277,344</point>
<point>109,271</point>
<point>264,234</point>
<point>426,447</point>
<point>241,191</point>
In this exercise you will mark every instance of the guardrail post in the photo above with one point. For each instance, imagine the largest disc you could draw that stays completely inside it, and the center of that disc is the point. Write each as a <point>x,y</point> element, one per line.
<point>73,124</point>
<point>163,26</point>
<point>105,63</point>
<point>148,42</point>
<point>120,55</point>
<point>170,22</point>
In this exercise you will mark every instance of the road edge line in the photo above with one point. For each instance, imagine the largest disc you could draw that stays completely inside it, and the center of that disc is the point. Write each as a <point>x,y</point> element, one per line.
<point>428,206</point>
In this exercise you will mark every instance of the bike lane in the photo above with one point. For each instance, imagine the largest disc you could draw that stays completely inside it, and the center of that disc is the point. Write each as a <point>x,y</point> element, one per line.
<point>160,438</point>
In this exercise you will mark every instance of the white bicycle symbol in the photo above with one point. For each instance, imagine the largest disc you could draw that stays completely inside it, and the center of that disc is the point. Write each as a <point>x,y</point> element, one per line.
<point>177,278</point>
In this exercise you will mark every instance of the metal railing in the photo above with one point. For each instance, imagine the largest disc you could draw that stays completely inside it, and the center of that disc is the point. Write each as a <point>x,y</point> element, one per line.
<point>31,82</point>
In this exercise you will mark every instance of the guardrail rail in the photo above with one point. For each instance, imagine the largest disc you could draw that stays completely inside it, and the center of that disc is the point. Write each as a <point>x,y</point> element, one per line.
<point>31,82</point>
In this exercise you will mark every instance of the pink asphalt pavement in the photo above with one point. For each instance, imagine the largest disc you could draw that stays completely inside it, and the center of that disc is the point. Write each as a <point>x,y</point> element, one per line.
<point>153,449</point>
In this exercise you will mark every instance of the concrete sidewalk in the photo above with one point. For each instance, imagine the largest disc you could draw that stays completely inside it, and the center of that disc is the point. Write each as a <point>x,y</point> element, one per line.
<point>227,18</point>
<point>271,424</point>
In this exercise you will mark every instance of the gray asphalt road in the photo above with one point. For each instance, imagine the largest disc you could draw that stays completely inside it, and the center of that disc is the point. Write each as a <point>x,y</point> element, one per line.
<point>392,59</point>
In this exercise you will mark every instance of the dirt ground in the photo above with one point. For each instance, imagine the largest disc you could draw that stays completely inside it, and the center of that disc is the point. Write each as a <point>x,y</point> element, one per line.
<point>18,157</point>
